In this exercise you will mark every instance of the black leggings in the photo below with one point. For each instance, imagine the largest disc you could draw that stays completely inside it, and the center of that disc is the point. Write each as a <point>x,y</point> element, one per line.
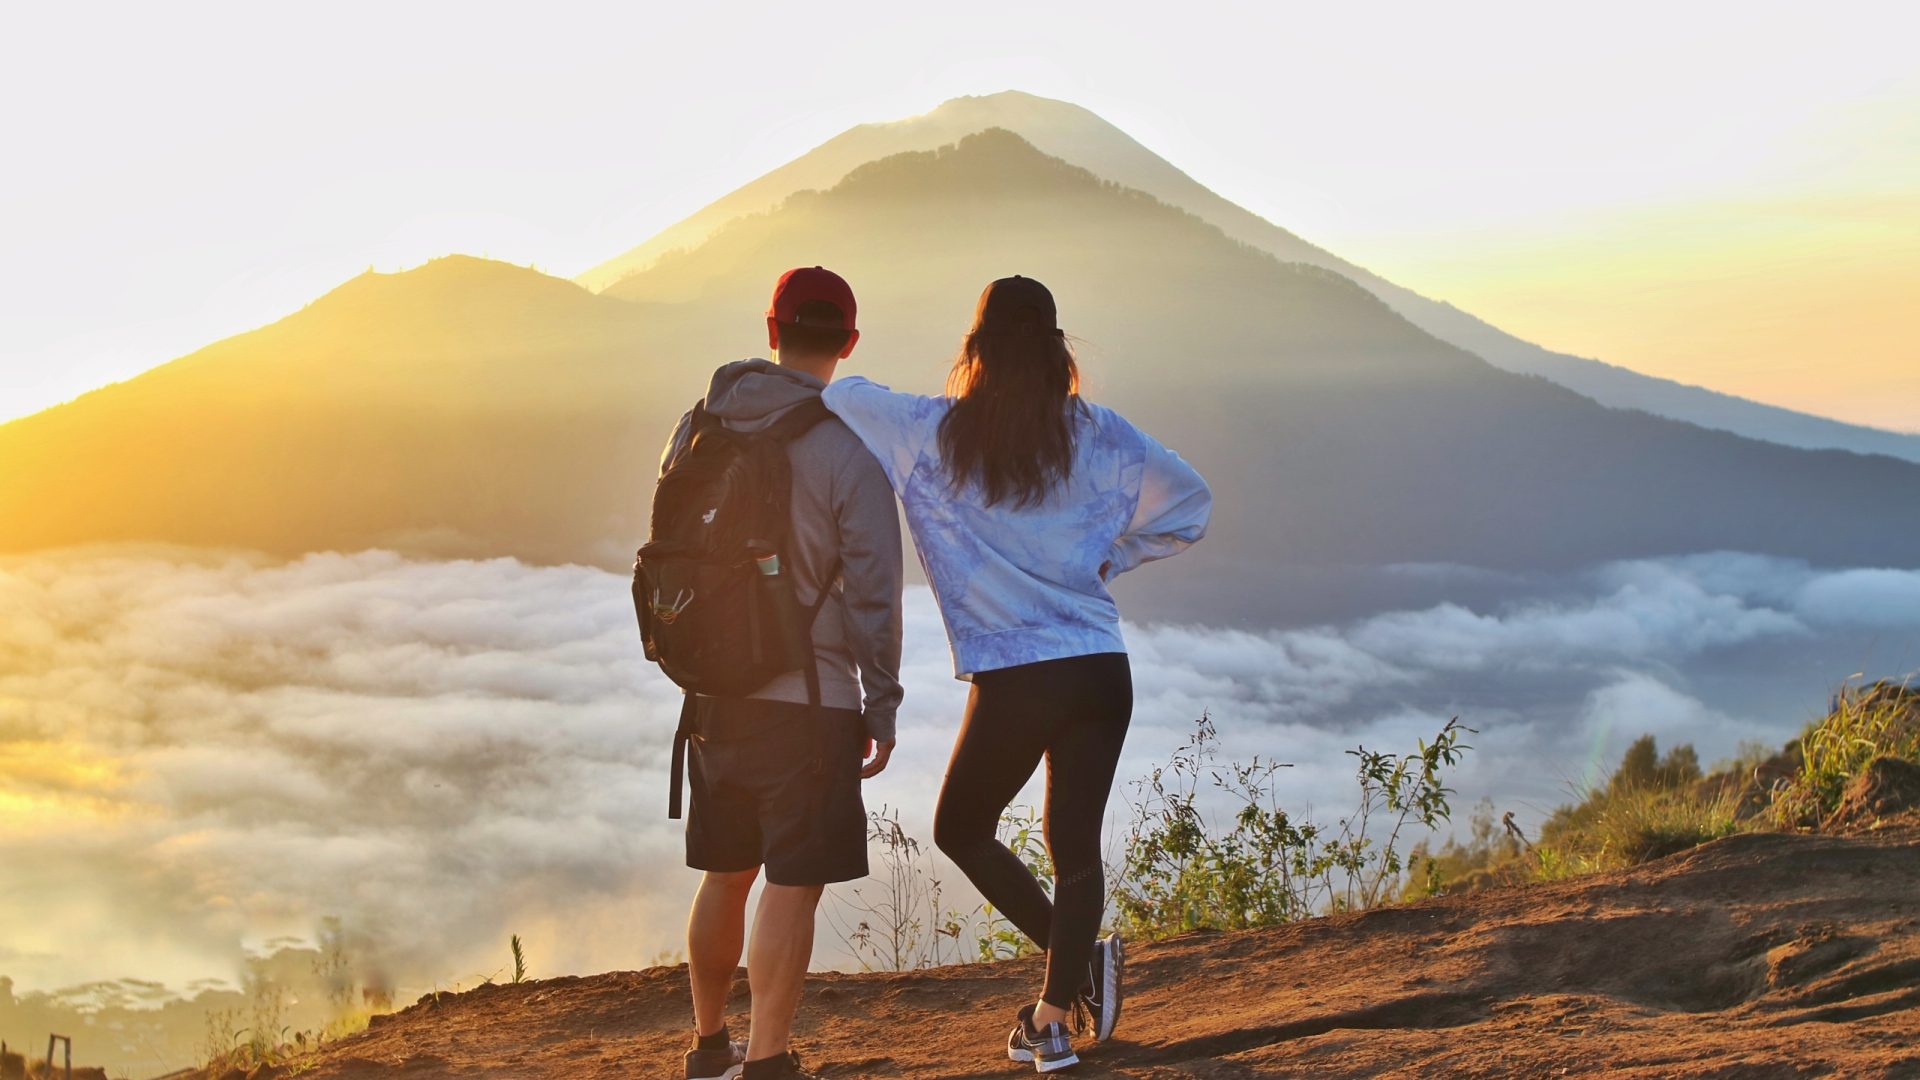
<point>1074,712</point>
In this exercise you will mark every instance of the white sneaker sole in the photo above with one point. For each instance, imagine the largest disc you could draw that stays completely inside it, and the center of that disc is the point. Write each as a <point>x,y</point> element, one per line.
<point>1025,1057</point>
<point>1110,990</point>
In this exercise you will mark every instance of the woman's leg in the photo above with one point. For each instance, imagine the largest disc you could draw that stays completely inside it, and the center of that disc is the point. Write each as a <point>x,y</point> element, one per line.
<point>1001,741</point>
<point>1085,751</point>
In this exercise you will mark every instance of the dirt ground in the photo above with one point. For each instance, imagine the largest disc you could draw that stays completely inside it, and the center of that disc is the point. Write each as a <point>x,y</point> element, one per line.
<point>1755,956</point>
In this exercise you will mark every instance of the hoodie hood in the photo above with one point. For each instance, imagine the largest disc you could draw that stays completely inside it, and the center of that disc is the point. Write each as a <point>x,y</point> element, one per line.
<point>750,394</point>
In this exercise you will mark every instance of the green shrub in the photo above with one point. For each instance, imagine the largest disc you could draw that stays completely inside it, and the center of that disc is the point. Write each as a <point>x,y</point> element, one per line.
<point>1182,871</point>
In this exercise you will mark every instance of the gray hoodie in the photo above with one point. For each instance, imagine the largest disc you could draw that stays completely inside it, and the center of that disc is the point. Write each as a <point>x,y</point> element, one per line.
<point>842,505</point>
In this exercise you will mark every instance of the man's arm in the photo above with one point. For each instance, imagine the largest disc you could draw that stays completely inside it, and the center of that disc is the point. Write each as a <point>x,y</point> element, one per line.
<point>872,574</point>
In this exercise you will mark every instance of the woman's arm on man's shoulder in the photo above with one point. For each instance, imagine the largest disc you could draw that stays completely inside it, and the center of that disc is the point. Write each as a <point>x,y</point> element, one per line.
<point>894,426</point>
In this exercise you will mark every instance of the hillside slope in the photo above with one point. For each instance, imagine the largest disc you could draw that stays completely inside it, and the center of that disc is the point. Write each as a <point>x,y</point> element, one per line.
<point>1082,138</point>
<point>466,407</point>
<point>1756,956</point>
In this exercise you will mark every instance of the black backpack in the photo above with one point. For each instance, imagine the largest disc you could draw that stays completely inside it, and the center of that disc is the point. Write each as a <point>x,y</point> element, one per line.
<point>713,585</point>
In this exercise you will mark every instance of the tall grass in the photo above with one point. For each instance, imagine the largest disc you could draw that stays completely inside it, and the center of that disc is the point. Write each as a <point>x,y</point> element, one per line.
<point>1631,826</point>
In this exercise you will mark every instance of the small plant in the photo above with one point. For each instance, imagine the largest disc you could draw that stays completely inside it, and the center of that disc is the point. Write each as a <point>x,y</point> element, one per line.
<point>1491,855</point>
<point>1865,723</point>
<point>1404,789</point>
<point>893,919</point>
<point>266,1001</point>
<point>221,1038</point>
<point>519,961</point>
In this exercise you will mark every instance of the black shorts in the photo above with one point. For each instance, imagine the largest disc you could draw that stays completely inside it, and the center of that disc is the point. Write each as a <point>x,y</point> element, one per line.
<point>771,784</point>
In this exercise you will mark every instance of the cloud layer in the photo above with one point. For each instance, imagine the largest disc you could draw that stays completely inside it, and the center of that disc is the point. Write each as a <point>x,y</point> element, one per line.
<point>199,752</point>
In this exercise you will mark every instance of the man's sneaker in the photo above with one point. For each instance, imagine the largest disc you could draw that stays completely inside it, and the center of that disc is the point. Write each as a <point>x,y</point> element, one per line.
<point>717,1064</point>
<point>1101,998</point>
<point>1048,1048</point>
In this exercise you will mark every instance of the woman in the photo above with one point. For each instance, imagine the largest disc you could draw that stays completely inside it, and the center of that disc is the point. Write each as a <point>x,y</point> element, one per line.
<point>1025,501</point>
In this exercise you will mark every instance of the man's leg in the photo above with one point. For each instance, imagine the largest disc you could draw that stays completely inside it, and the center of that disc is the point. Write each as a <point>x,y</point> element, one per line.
<point>777,963</point>
<point>716,930</point>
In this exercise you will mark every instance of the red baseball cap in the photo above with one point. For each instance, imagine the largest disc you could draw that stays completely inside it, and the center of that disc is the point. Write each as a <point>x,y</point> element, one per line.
<point>803,284</point>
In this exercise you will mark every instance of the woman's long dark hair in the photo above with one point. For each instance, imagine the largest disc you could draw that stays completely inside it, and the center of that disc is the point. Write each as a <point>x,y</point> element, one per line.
<point>1015,387</point>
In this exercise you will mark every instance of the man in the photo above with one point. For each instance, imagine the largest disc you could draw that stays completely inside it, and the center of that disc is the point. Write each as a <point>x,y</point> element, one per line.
<point>772,781</point>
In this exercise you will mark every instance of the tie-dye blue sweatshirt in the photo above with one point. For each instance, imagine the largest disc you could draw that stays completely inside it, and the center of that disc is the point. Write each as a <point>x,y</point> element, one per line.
<point>1021,585</point>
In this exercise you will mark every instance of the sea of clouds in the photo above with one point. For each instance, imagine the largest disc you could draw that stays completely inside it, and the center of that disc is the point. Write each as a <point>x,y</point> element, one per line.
<point>202,752</point>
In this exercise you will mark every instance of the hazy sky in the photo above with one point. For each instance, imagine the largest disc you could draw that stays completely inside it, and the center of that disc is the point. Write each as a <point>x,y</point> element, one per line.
<point>1723,193</point>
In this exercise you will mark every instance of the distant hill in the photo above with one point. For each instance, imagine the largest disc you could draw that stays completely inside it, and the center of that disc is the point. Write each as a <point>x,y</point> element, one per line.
<point>474,408</point>
<point>1082,138</point>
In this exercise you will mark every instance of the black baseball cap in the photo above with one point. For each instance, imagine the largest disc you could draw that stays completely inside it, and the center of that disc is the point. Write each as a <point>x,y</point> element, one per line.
<point>1017,303</point>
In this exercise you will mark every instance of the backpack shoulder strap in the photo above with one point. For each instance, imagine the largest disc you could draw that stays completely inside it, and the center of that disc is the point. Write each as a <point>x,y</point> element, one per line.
<point>699,419</point>
<point>797,421</point>
<point>678,768</point>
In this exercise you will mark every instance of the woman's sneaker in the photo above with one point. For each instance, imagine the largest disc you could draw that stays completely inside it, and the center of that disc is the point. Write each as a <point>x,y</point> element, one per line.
<point>717,1064</point>
<point>1049,1047</point>
<point>1101,998</point>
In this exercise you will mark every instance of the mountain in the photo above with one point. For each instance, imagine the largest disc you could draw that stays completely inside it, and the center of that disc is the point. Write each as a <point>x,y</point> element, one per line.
<point>1078,136</point>
<point>472,408</point>
<point>1335,430</point>
<point>1759,955</point>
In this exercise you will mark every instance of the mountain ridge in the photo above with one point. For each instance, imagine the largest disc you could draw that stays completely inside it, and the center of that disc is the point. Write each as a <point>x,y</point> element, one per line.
<point>1081,137</point>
